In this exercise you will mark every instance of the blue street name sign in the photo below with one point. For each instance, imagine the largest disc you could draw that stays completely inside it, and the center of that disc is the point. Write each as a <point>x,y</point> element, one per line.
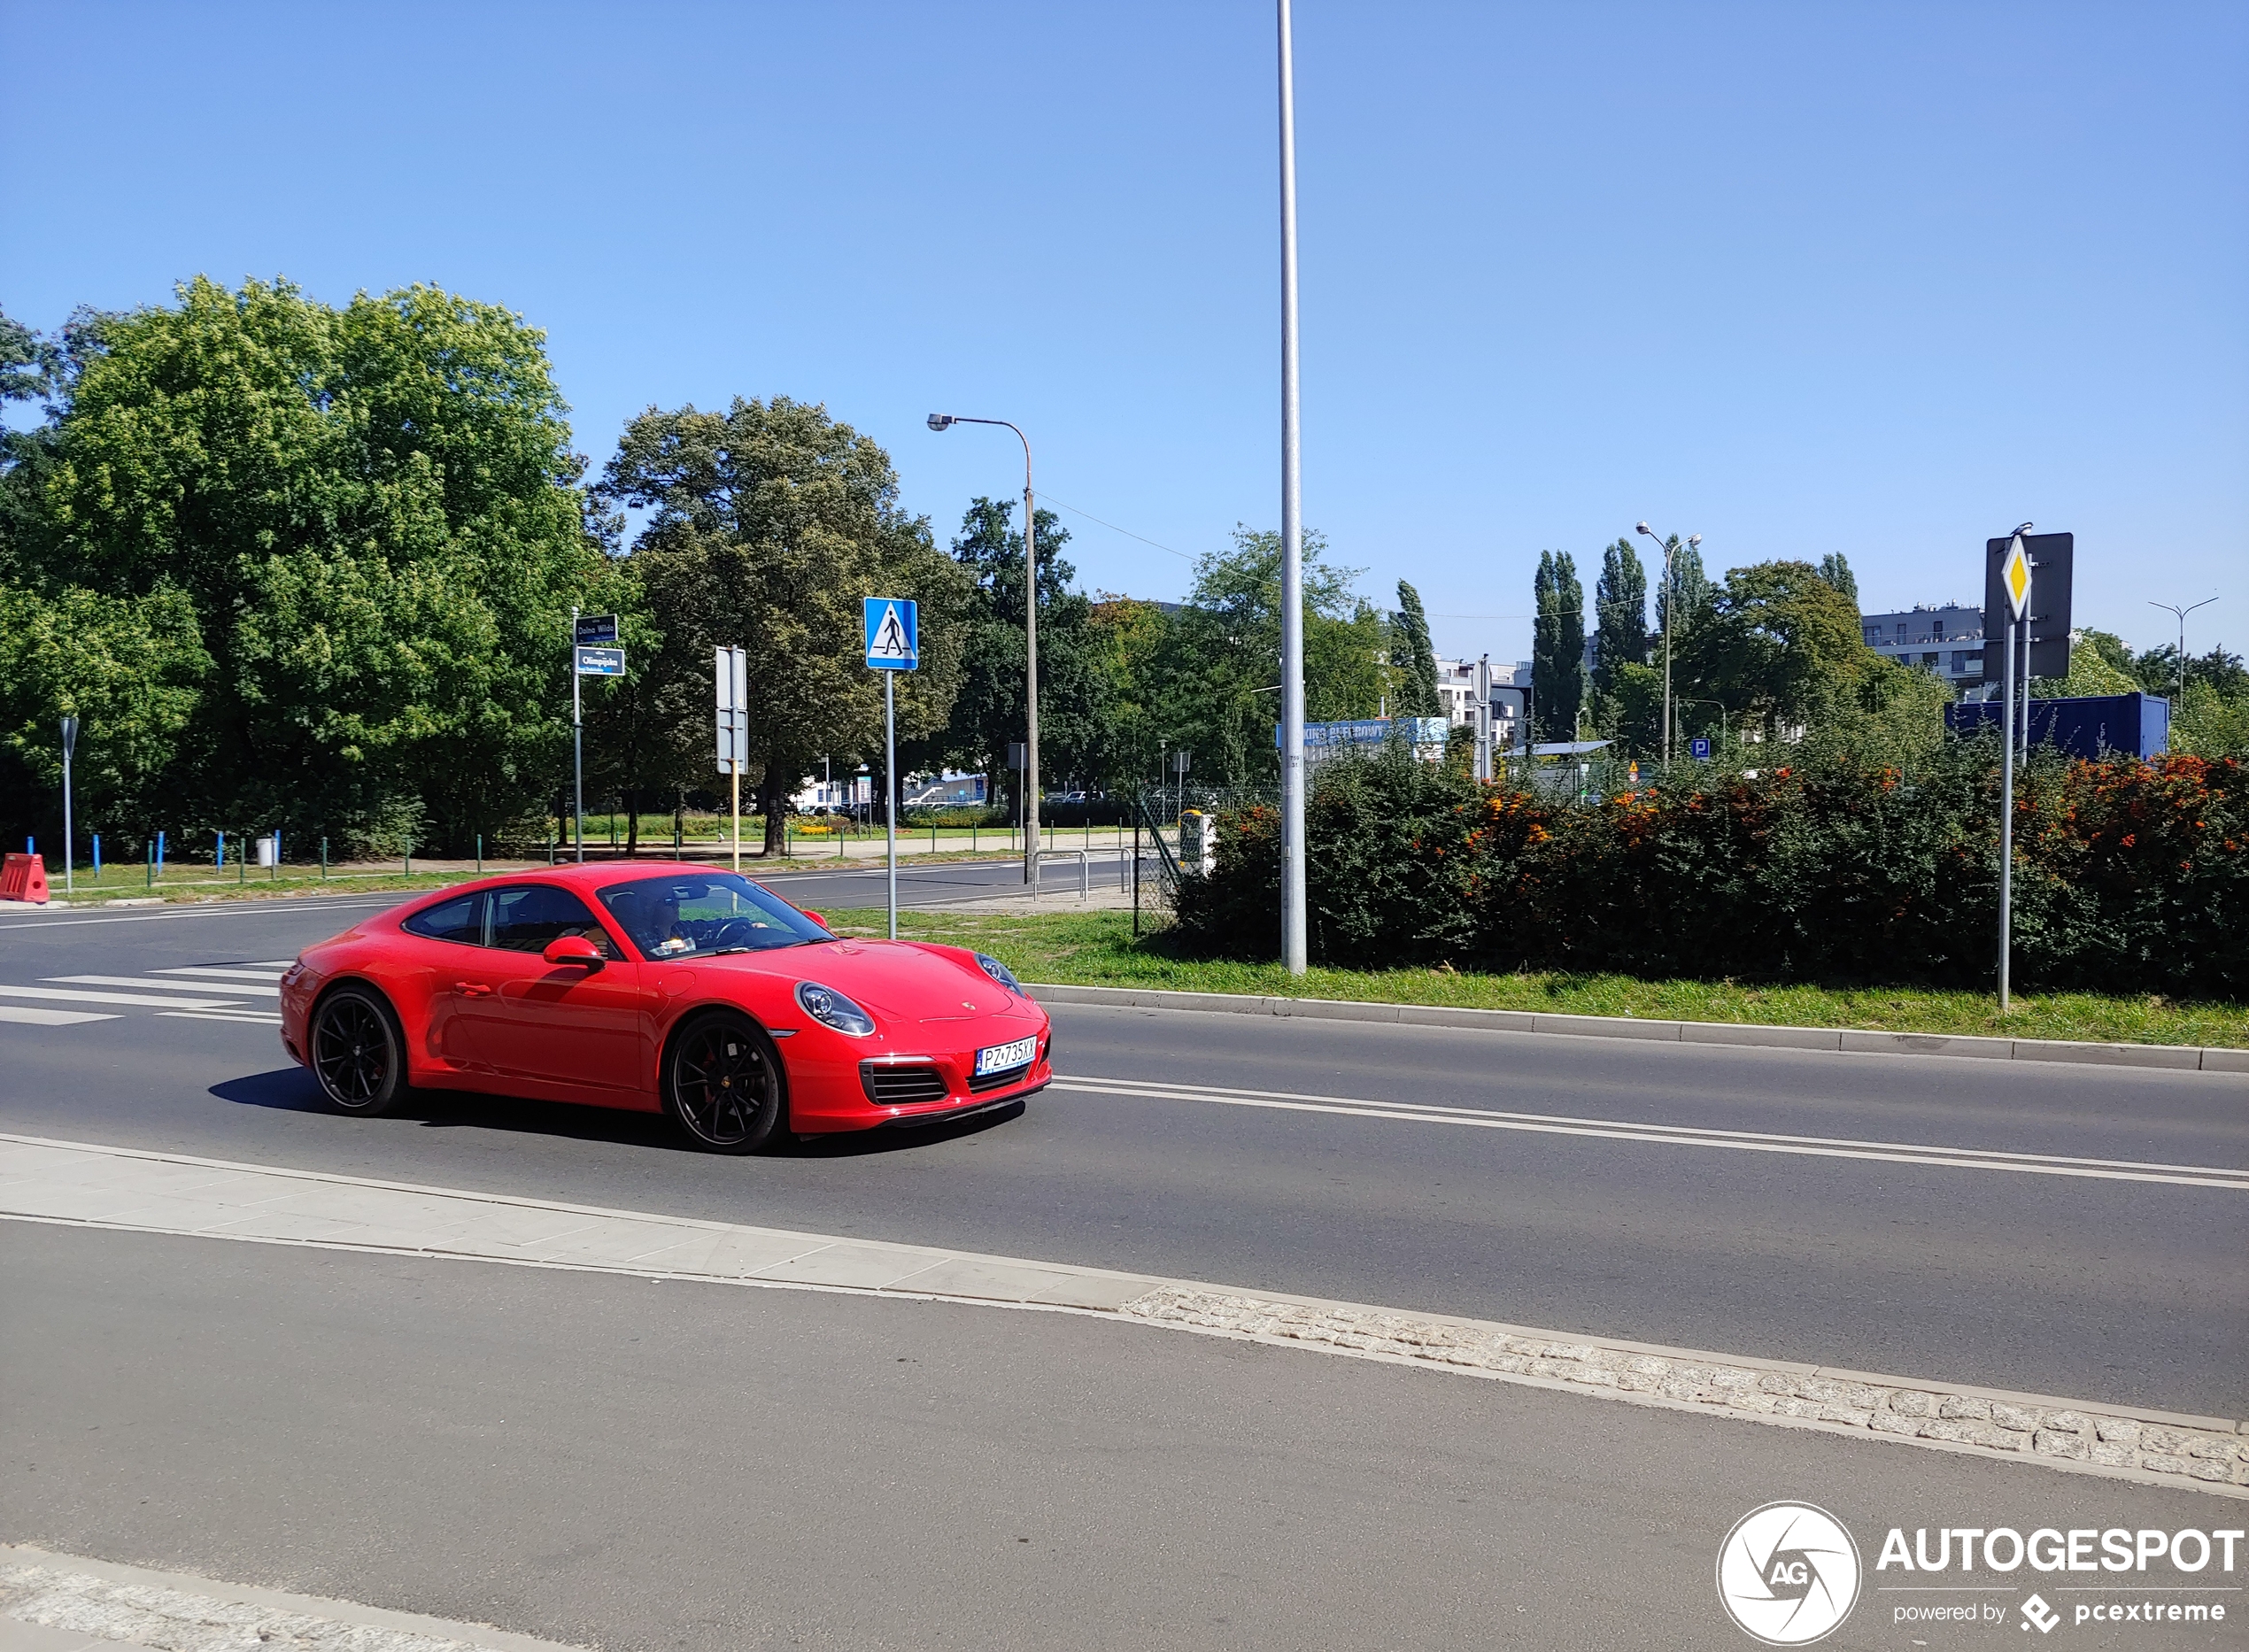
<point>596,628</point>
<point>894,636</point>
<point>601,662</point>
<point>1700,748</point>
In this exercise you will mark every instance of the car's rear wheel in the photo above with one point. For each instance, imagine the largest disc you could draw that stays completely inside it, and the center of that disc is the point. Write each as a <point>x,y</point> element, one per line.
<point>722,1085</point>
<point>357,1055</point>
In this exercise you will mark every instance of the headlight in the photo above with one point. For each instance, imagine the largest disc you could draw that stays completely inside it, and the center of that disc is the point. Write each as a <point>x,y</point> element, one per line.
<point>999,972</point>
<point>831,1009</point>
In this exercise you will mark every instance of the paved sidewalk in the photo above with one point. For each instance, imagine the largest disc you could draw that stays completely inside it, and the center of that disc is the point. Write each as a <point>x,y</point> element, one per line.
<point>118,1188</point>
<point>64,1604</point>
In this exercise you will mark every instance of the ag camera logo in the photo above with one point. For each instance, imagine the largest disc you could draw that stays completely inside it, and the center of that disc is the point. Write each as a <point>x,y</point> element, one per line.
<point>1787,1573</point>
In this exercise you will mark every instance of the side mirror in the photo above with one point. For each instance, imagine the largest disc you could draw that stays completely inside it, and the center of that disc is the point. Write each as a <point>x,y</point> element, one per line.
<point>815,917</point>
<point>574,951</point>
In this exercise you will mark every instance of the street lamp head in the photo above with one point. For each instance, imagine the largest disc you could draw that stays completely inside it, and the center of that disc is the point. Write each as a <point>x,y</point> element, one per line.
<point>1642,527</point>
<point>1695,539</point>
<point>940,422</point>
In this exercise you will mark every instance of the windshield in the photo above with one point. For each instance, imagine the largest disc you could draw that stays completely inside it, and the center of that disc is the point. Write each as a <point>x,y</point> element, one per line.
<point>704,913</point>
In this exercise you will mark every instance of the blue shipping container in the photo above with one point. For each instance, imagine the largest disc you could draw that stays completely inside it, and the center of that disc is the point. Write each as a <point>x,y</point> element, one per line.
<point>2097,725</point>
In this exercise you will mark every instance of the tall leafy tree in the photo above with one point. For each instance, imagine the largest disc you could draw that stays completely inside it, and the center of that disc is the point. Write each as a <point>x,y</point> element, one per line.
<point>1688,579</point>
<point>1220,663</point>
<point>1621,602</point>
<point>1557,646</point>
<point>1780,649</point>
<point>989,714</point>
<point>371,514</point>
<point>1835,568</point>
<point>766,526</point>
<point>1413,657</point>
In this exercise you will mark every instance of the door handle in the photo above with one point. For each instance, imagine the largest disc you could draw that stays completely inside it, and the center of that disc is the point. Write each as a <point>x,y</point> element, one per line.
<point>472,989</point>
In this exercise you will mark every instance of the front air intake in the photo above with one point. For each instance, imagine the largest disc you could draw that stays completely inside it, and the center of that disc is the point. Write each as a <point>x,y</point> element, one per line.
<point>891,1085</point>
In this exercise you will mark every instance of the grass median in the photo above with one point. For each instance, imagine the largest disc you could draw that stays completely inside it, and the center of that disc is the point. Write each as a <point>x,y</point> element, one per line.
<point>1097,949</point>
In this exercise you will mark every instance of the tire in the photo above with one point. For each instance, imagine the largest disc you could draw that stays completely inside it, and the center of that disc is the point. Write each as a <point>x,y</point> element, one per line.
<point>357,1052</point>
<point>722,1085</point>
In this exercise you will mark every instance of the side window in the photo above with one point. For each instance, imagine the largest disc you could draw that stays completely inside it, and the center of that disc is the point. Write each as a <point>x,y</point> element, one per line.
<point>461,919</point>
<point>525,919</point>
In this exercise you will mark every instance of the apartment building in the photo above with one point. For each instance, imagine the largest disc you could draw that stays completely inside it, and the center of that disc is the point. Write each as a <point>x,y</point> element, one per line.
<point>1941,636</point>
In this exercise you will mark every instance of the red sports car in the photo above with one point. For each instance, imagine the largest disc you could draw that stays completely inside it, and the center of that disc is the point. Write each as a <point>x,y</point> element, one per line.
<point>669,988</point>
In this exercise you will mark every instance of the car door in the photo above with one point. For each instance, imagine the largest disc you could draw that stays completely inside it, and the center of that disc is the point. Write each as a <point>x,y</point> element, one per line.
<point>447,953</point>
<point>554,1025</point>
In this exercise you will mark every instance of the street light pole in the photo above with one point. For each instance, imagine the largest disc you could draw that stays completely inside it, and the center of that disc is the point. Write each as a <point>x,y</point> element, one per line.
<point>1293,949</point>
<point>2182,613</point>
<point>942,421</point>
<point>1671,622</point>
<point>577,744</point>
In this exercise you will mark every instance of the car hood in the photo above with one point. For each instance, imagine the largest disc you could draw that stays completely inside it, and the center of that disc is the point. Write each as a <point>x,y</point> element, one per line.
<point>896,980</point>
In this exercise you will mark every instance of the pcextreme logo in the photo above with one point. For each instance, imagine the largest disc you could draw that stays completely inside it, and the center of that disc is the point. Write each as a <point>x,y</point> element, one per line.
<point>1787,1573</point>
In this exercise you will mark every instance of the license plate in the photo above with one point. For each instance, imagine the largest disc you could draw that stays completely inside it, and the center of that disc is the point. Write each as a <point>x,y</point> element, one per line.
<point>1001,1057</point>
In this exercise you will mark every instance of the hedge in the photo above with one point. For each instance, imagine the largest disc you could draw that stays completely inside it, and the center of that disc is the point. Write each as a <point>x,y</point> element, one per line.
<point>2130,877</point>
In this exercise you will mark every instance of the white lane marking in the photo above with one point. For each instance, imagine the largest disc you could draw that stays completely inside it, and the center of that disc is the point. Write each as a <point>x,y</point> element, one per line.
<point>233,989</point>
<point>1685,1136</point>
<point>249,1016</point>
<point>24,1015</point>
<point>1668,1129</point>
<point>231,972</point>
<point>69,996</point>
<point>277,965</point>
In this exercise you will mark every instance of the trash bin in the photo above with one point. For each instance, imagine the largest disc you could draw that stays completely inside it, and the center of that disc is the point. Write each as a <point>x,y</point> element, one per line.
<point>1198,842</point>
<point>269,849</point>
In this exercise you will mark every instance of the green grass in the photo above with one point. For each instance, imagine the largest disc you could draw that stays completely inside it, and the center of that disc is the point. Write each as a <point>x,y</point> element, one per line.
<point>189,884</point>
<point>1097,949</point>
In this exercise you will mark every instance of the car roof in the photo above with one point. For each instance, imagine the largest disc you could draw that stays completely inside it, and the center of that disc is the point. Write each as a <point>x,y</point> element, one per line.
<point>586,878</point>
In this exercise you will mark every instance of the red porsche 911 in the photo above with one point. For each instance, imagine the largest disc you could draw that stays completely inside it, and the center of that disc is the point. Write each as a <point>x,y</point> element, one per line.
<point>669,988</point>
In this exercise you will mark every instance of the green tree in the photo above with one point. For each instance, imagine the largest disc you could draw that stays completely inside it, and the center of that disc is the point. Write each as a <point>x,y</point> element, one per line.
<point>1557,646</point>
<point>1128,640</point>
<point>1621,602</point>
<point>767,526</point>
<point>989,714</point>
<point>1696,593</point>
<point>372,513</point>
<point>1835,568</point>
<point>1414,658</point>
<point>1219,666</point>
<point>1780,648</point>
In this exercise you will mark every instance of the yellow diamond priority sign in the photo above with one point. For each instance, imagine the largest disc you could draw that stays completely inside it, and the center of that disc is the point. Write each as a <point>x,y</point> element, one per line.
<point>2014,575</point>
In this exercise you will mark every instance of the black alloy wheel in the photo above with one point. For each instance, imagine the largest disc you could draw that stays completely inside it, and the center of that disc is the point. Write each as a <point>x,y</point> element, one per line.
<point>723,1084</point>
<point>358,1055</point>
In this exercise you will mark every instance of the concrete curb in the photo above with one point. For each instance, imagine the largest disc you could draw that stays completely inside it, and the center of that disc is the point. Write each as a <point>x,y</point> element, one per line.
<point>1847,1041</point>
<point>132,1190</point>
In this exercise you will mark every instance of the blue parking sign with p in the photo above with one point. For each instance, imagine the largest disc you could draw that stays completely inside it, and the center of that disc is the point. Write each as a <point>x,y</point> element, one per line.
<point>893,639</point>
<point>1699,747</point>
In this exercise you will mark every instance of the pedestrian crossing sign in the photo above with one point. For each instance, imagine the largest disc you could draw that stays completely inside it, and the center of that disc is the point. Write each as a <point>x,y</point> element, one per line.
<point>894,640</point>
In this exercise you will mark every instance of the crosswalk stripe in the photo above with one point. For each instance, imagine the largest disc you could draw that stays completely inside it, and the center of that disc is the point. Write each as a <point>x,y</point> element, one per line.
<point>238,1016</point>
<point>25,1015</point>
<point>68,995</point>
<point>233,989</point>
<point>232,972</point>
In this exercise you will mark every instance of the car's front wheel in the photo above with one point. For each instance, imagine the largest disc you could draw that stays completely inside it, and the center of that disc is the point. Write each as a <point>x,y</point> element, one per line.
<point>723,1084</point>
<point>358,1055</point>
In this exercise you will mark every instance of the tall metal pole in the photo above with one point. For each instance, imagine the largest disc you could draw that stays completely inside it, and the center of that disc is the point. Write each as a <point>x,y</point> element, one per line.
<point>1671,619</point>
<point>890,788</point>
<point>1030,667</point>
<point>577,743</point>
<point>1293,951</point>
<point>2006,828</point>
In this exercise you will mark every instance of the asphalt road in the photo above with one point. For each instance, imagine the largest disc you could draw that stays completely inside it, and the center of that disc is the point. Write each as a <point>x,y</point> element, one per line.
<point>2125,1290</point>
<point>643,1465</point>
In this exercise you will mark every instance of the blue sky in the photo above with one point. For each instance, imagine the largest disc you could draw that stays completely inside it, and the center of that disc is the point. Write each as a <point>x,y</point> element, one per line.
<point>1883,280</point>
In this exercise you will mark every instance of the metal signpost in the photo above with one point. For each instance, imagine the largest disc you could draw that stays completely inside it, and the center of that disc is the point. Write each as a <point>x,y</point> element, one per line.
<point>2015,578</point>
<point>70,857</point>
<point>593,639</point>
<point>730,667</point>
<point>893,645</point>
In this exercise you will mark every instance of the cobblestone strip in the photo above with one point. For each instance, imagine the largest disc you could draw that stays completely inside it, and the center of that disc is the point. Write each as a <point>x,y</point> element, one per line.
<point>2063,1436</point>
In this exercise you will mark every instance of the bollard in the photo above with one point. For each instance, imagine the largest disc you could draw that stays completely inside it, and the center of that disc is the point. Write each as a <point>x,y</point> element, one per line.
<point>324,859</point>
<point>480,854</point>
<point>97,857</point>
<point>222,851</point>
